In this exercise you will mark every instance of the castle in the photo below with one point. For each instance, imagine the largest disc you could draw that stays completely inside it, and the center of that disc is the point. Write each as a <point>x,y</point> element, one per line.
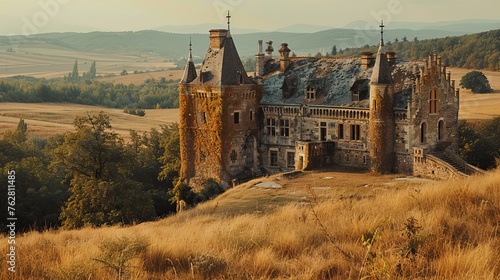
<point>299,113</point>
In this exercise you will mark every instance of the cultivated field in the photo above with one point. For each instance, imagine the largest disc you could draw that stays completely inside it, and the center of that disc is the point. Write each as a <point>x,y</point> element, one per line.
<point>49,119</point>
<point>478,106</point>
<point>50,61</point>
<point>316,225</point>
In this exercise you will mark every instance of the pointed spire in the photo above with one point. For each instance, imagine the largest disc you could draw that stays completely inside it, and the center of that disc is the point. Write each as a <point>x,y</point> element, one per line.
<point>190,70</point>
<point>382,33</point>
<point>190,50</point>
<point>228,21</point>
<point>381,70</point>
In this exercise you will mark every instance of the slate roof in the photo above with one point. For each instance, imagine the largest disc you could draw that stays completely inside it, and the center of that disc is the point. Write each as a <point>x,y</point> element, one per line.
<point>223,67</point>
<point>333,79</point>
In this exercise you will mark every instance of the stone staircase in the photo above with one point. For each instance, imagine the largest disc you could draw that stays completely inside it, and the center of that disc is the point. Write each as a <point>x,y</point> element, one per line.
<point>442,156</point>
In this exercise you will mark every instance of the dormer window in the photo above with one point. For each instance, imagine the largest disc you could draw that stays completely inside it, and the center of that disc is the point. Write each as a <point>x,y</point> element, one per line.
<point>310,93</point>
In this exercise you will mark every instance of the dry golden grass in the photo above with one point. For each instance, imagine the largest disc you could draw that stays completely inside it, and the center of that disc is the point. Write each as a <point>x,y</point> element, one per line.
<point>256,233</point>
<point>49,119</point>
<point>478,106</point>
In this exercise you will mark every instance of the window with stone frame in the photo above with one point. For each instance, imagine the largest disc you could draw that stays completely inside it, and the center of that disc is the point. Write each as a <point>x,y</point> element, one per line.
<point>433,101</point>
<point>285,128</point>
<point>310,93</point>
<point>273,158</point>
<point>233,156</point>
<point>271,126</point>
<point>236,117</point>
<point>290,159</point>
<point>340,132</point>
<point>355,132</point>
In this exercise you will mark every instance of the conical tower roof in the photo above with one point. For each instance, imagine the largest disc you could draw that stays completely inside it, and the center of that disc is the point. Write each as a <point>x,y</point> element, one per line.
<point>190,70</point>
<point>381,70</point>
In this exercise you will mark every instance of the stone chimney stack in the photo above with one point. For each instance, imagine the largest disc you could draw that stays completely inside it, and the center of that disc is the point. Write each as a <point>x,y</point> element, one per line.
<point>367,60</point>
<point>269,51</point>
<point>391,58</point>
<point>217,37</point>
<point>259,61</point>
<point>284,57</point>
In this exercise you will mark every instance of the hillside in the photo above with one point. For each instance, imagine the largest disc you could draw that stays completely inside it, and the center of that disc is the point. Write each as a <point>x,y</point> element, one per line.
<point>174,45</point>
<point>475,51</point>
<point>314,225</point>
<point>49,119</point>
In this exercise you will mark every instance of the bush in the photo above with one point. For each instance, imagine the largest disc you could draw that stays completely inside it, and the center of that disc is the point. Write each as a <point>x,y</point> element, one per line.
<point>136,111</point>
<point>476,81</point>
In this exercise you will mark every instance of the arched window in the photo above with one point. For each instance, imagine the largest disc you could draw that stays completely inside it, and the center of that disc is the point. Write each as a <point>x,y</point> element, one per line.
<point>433,101</point>
<point>423,132</point>
<point>441,130</point>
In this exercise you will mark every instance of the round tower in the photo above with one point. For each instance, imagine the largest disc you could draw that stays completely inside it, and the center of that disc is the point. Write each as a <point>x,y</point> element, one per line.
<point>381,125</point>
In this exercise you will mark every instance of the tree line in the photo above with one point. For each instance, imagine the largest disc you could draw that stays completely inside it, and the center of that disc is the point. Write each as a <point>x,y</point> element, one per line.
<point>476,51</point>
<point>152,93</point>
<point>92,177</point>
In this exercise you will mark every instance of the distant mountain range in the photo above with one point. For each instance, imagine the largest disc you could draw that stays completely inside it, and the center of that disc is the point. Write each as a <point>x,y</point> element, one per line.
<point>174,43</point>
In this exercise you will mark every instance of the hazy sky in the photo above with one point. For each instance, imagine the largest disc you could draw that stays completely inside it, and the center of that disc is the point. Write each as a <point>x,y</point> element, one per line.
<point>39,16</point>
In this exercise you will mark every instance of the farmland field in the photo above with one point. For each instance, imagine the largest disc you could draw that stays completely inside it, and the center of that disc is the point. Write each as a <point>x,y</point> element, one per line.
<point>49,119</point>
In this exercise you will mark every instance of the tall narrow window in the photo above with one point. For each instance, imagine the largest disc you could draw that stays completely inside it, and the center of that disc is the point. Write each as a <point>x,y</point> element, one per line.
<point>236,117</point>
<point>441,130</point>
<point>285,128</point>
<point>423,128</point>
<point>355,131</point>
<point>290,159</point>
<point>233,156</point>
<point>273,158</point>
<point>323,131</point>
<point>340,133</point>
<point>251,115</point>
<point>433,101</point>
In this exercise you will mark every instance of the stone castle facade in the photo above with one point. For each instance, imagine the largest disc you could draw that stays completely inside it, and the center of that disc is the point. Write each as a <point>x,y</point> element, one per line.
<point>299,113</point>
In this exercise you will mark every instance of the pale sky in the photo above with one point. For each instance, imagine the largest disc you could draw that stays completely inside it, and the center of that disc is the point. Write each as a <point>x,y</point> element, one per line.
<point>41,16</point>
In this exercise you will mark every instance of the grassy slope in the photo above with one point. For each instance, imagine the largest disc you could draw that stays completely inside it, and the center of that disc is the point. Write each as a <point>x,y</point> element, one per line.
<point>295,232</point>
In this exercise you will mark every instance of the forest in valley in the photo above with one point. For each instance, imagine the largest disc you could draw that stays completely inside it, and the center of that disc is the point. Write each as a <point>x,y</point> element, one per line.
<point>150,94</point>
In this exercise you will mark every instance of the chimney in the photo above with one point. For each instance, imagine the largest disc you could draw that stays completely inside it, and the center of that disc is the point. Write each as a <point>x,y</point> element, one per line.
<point>366,60</point>
<point>391,58</point>
<point>259,61</point>
<point>269,50</point>
<point>217,37</point>
<point>285,57</point>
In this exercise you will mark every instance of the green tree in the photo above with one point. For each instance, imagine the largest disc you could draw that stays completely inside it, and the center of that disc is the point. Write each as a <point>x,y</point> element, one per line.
<point>92,71</point>
<point>334,50</point>
<point>74,74</point>
<point>96,163</point>
<point>476,81</point>
<point>474,148</point>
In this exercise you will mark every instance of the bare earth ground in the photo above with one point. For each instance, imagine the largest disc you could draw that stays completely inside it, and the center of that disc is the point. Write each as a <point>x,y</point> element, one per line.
<point>49,119</point>
<point>338,183</point>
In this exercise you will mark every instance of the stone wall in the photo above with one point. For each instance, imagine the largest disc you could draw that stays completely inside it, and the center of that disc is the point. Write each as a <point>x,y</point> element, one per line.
<point>428,166</point>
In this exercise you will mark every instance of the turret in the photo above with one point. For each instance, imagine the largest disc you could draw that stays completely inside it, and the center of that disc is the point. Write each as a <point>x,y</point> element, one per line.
<point>381,125</point>
<point>190,70</point>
